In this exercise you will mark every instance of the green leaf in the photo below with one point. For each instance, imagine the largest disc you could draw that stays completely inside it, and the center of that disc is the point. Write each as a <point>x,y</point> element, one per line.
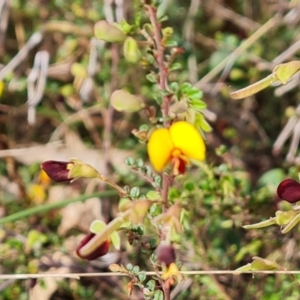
<point>136,270</point>
<point>139,163</point>
<point>202,123</point>
<point>171,42</point>
<point>35,239</point>
<point>189,186</point>
<point>142,276</point>
<point>196,96</point>
<point>130,161</point>
<point>253,247</point>
<point>165,93</point>
<point>175,66</point>
<point>14,244</point>
<point>134,192</point>
<point>151,77</point>
<point>157,180</point>
<point>157,98</point>
<point>194,93</point>
<point>126,27</point>
<point>140,230</point>
<point>271,178</point>
<point>144,127</point>
<point>158,295</point>
<point>198,104</point>
<point>153,209</point>
<point>173,87</point>
<point>151,285</point>
<point>147,170</point>
<point>153,195</point>
<point>185,87</point>
<point>163,18</point>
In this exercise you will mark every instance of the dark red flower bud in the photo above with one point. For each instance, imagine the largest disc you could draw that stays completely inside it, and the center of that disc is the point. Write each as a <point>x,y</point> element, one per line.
<point>100,251</point>
<point>58,171</point>
<point>289,190</point>
<point>165,254</point>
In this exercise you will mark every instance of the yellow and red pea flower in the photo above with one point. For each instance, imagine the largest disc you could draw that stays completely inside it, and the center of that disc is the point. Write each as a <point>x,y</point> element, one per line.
<point>289,190</point>
<point>165,254</point>
<point>166,257</point>
<point>61,171</point>
<point>99,251</point>
<point>58,171</point>
<point>177,145</point>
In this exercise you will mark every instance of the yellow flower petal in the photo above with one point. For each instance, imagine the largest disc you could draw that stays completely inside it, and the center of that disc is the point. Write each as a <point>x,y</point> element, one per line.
<point>43,178</point>
<point>1,87</point>
<point>188,140</point>
<point>36,193</point>
<point>159,148</point>
<point>172,270</point>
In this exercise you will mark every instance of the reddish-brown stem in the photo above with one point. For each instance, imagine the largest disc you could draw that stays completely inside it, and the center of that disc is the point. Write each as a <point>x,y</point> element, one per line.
<point>163,71</point>
<point>166,290</point>
<point>148,178</point>
<point>162,82</point>
<point>166,182</point>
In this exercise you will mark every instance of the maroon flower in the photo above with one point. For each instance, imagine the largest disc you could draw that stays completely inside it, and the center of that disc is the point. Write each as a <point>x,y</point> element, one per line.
<point>58,171</point>
<point>289,190</point>
<point>165,254</point>
<point>100,251</point>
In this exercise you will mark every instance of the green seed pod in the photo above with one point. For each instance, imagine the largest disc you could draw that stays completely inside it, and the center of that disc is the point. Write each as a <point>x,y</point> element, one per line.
<point>131,50</point>
<point>121,100</point>
<point>259,264</point>
<point>108,32</point>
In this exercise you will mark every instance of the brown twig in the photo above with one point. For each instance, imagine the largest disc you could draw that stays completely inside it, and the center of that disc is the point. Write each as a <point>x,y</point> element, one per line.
<point>166,182</point>
<point>150,179</point>
<point>162,83</point>
<point>163,72</point>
